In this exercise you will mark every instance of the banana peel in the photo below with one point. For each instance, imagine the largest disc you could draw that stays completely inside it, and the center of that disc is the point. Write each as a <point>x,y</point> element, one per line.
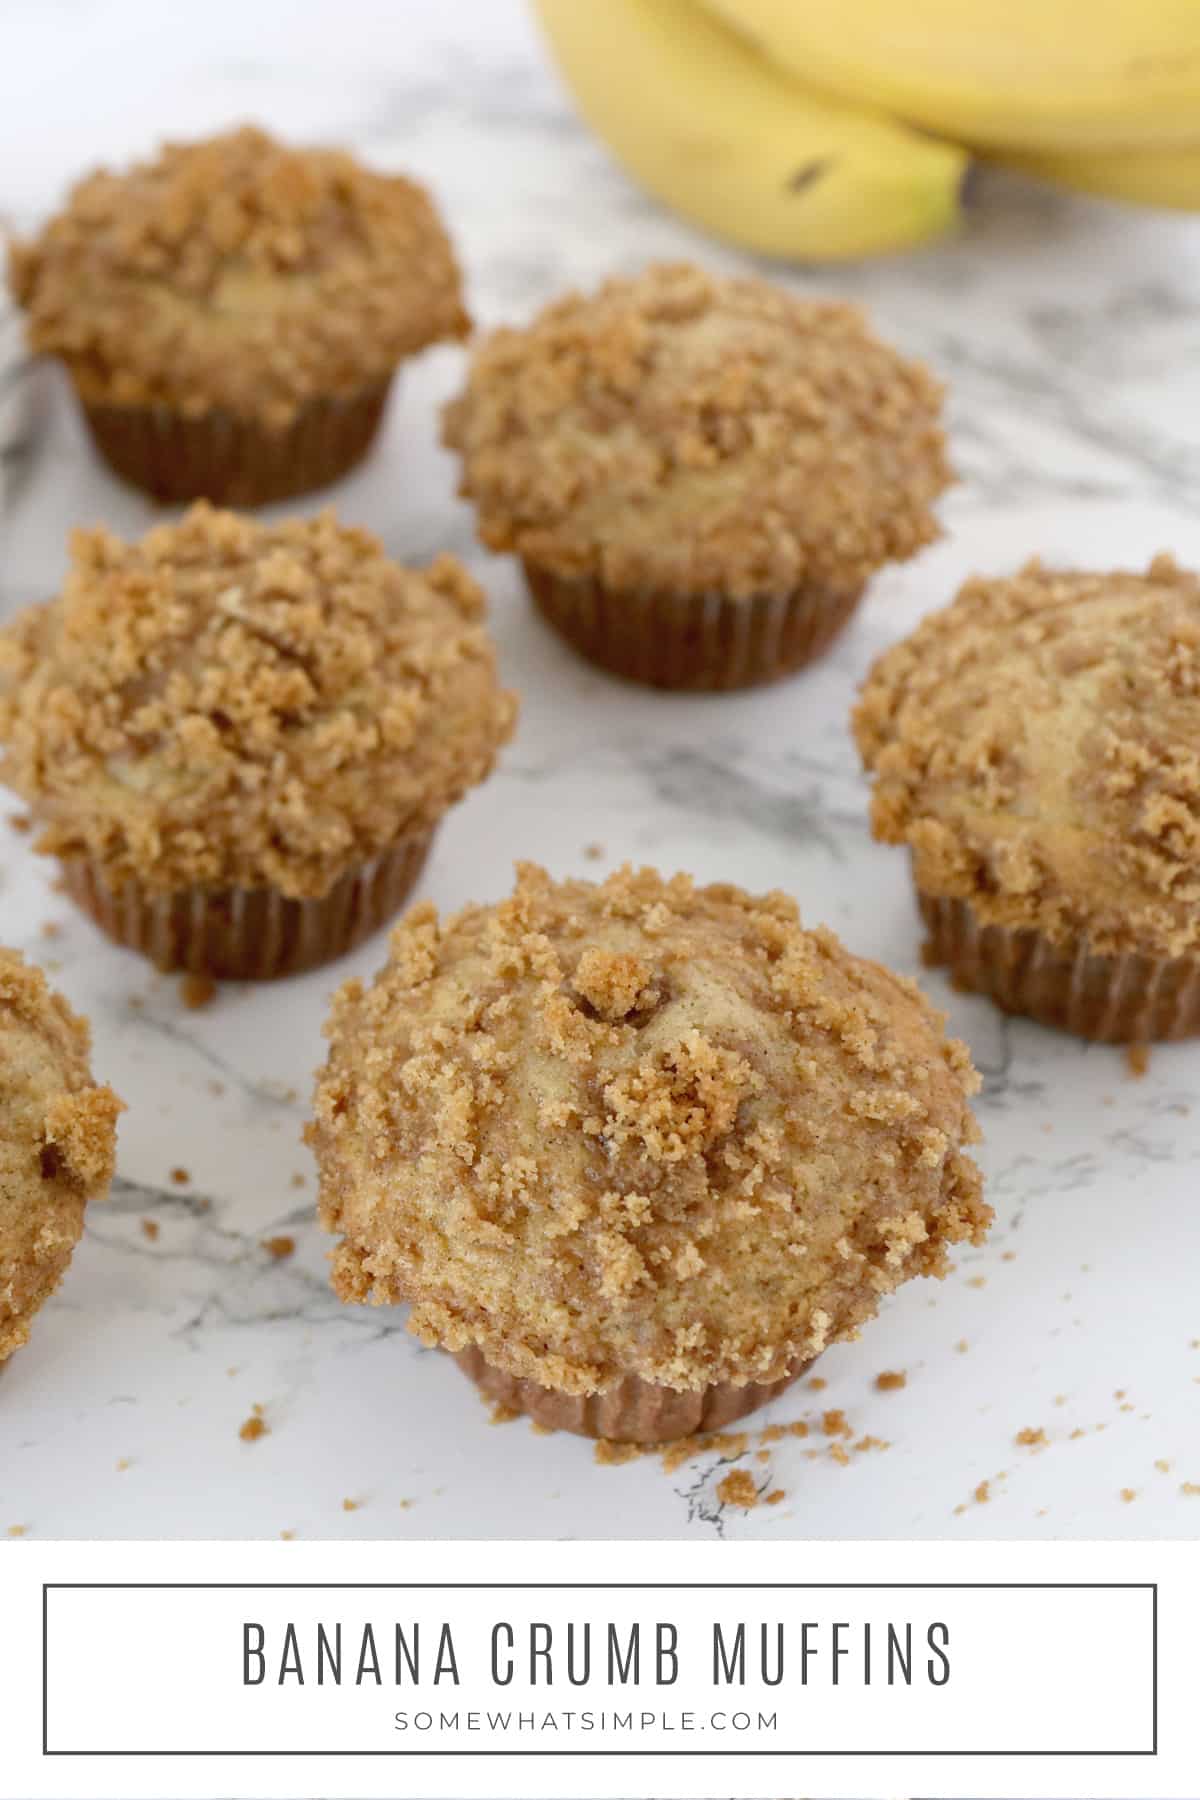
<point>741,148</point>
<point>1004,74</point>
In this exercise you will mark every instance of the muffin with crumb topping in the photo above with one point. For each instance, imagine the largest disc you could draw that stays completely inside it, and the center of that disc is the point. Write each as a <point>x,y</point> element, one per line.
<point>231,314</point>
<point>700,474</point>
<point>637,1152</point>
<point>1036,745</point>
<point>57,1142</point>
<point>239,738</point>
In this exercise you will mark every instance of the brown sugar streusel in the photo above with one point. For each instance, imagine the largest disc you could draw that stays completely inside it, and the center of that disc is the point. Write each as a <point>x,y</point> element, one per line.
<point>1035,745</point>
<point>709,444</point>
<point>639,1148</point>
<point>57,1142</point>
<point>228,707</point>
<point>242,283</point>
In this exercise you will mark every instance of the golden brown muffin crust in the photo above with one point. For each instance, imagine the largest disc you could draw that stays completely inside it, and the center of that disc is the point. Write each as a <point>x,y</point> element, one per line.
<point>638,1128</point>
<point>1037,745</point>
<point>694,432</point>
<point>238,273</point>
<point>245,705</point>
<point>57,1142</point>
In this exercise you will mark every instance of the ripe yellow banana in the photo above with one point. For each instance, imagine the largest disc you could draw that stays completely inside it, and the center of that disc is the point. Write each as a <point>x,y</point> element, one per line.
<point>1168,178</point>
<point>1011,74</point>
<point>738,147</point>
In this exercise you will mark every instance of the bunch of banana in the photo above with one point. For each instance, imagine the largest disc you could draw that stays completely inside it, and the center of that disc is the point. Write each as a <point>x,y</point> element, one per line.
<point>818,129</point>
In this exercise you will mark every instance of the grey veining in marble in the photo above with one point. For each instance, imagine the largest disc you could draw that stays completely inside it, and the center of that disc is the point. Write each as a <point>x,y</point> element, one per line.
<point>1069,336</point>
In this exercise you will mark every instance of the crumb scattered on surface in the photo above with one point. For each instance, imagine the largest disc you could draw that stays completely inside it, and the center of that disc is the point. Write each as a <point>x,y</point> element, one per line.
<point>611,1456</point>
<point>1128,1495</point>
<point>1189,1487</point>
<point>287,1536</point>
<point>254,1427</point>
<point>776,1495</point>
<point>351,1505</point>
<point>1162,1465</point>
<point>297,1179</point>
<point>1032,1437</point>
<point>737,1489</point>
<point>17,1531</point>
<point>889,1380</point>
<point>123,1463</point>
<point>150,1229</point>
<point>977,1281</point>
<point>834,1423</point>
<point>962,1346</point>
<point>180,1177</point>
<point>197,992</point>
<point>279,1247</point>
<point>593,852</point>
<point>817,1383</point>
<point>982,1494</point>
<point>1138,1058</point>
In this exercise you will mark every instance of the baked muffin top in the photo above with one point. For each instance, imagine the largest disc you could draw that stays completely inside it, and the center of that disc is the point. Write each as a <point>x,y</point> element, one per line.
<point>1037,744</point>
<point>638,1128</point>
<point>238,273</point>
<point>246,705</point>
<point>57,1142</point>
<point>693,432</point>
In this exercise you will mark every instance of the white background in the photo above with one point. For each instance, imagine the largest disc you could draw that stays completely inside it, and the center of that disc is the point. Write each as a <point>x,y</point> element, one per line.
<point>999,1703</point>
<point>1069,334</point>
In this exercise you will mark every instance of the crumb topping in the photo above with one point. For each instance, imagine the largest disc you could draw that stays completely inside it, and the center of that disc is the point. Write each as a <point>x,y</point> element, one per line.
<point>238,273</point>
<point>1037,746</point>
<point>244,705</point>
<point>696,432</point>
<point>57,1142</point>
<point>640,1128</point>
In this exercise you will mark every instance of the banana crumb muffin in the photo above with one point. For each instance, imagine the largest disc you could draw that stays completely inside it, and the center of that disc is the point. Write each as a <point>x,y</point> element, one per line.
<point>699,473</point>
<point>638,1152</point>
<point>57,1142</point>
<point>1037,746</point>
<point>239,738</point>
<point>231,314</point>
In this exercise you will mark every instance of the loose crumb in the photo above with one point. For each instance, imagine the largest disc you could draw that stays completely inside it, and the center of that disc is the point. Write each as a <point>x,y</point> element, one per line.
<point>51,928</point>
<point>1189,1487</point>
<point>279,1247</point>
<point>351,1505</point>
<point>254,1427</point>
<point>834,1423</point>
<point>594,852</point>
<point>1128,1495</point>
<point>1163,1466</point>
<point>125,1462</point>
<point>776,1495</point>
<point>611,1456</point>
<point>287,1536</point>
<point>1032,1437</point>
<point>817,1383</point>
<point>297,1179</point>
<point>180,1177</point>
<point>197,992</point>
<point>150,1229</point>
<point>16,1531</point>
<point>738,1489</point>
<point>1137,1056</point>
<point>977,1281</point>
<point>890,1380</point>
<point>982,1494</point>
<point>962,1346</point>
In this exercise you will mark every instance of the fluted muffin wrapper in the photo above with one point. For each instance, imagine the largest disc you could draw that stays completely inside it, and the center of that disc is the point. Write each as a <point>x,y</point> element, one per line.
<point>234,461</point>
<point>632,1411</point>
<point>249,934</point>
<point>706,643</point>
<point>1123,999</point>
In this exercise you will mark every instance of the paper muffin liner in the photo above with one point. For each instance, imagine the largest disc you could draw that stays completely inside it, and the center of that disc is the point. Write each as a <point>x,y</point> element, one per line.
<point>249,934</point>
<point>1126,999</point>
<point>706,643</point>
<point>235,461</point>
<point>633,1411</point>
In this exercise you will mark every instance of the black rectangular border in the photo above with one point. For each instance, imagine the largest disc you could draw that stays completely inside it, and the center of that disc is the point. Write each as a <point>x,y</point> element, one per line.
<point>1150,1587</point>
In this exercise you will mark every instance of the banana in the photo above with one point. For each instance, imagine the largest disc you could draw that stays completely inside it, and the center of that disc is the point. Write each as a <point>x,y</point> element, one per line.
<point>1008,74</point>
<point>1169,178</point>
<point>741,149</point>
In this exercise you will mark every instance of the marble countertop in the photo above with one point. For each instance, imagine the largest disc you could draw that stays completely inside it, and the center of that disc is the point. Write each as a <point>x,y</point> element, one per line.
<point>1070,336</point>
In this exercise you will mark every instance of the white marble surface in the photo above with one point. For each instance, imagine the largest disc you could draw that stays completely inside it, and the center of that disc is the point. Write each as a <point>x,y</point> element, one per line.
<point>1070,335</point>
